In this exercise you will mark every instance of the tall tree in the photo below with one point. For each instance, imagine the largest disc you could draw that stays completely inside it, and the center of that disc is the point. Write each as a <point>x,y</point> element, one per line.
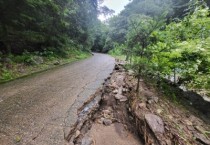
<point>29,25</point>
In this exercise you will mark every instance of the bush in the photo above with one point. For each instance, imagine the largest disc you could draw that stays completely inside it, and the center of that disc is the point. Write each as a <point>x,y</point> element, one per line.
<point>117,51</point>
<point>6,75</point>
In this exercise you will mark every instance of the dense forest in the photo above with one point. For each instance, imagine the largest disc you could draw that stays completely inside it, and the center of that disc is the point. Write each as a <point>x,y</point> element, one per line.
<point>162,38</point>
<point>30,25</point>
<point>32,32</point>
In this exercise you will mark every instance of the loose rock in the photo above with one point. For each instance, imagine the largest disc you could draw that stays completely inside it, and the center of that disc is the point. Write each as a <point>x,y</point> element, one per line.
<point>107,122</point>
<point>153,100</point>
<point>87,141</point>
<point>202,139</point>
<point>159,111</point>
<point>115,91</point>
<point>38,60</point>
<point>155,123</point>
<point>121,98</point>
<point>124,90</point>
<point>150,101</point>
<point>77,133</point>
<point>56,63</point>
<point>142,105</point>
<point>130,72</point>
<point>120,90</point>
<point>100,121</point>
<point>189,123</point>
<point>200,129</point>
<point>120,80</point>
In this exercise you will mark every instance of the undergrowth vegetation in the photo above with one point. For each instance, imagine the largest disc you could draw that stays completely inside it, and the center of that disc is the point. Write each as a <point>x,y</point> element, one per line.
<point>15,66</point>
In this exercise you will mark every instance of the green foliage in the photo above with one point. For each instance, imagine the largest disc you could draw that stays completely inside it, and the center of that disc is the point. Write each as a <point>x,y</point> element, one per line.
<point>81,55</point>
<point>6,75</point>
<point>28,58</point>
<point>119,25</point>
<point>28,63</point>
<point>117,51</point>
<point>46,25</point>
<point>99,44</point>
<point>150,8</point>
<point>177,49</point>
<point>184,45</point>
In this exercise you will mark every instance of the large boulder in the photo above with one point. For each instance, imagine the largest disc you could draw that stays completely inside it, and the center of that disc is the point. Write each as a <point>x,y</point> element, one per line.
<point>155,123</point>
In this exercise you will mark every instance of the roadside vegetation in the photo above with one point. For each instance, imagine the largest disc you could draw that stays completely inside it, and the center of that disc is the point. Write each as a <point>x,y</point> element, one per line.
<point>165,40</point>
<point>163,98</point>
<point>16,66</point>
<point>34,35</point>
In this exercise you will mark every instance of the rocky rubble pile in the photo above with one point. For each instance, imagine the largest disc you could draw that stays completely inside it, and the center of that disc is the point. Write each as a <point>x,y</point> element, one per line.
<point>161,121</point>
<point>112,114</point>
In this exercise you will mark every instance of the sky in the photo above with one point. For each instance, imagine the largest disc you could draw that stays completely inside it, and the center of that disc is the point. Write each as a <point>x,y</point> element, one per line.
<point>116,5</point>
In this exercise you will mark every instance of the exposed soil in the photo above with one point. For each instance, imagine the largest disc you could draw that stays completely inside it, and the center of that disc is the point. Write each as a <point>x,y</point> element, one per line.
<point>123,117</point>
<point>115,134</point>
<point>111,124</point>
<point>179,124</point>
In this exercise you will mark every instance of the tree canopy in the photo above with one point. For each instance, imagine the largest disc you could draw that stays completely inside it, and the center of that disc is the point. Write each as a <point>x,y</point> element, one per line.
<point>47,25</point>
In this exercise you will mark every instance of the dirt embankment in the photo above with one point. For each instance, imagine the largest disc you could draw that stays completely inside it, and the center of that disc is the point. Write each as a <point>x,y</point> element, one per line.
<point>120,116</point>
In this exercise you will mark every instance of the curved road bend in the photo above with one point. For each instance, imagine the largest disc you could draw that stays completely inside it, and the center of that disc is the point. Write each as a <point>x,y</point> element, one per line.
<point>39,110</point>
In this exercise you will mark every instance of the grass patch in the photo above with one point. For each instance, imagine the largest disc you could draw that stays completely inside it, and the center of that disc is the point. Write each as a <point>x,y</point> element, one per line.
<point>23,65</point>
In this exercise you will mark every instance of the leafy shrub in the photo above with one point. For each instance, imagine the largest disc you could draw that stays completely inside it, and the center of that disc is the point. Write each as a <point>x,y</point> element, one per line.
<point>118,50</point>
<point>28,58</point>
<point>6,75</point>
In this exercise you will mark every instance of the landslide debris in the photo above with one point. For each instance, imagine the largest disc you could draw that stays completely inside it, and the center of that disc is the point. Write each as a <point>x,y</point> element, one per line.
<point>123,117</point>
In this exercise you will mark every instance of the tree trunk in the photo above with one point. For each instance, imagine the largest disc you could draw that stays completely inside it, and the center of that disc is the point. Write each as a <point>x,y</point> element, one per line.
<point>139,78</point>
<point>158,79</point>
<point>174,75</point>
<point>130,59</point>
<point>138,84</point>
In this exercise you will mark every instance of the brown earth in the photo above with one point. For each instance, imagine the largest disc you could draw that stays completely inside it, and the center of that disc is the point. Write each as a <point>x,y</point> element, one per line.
<point>149,117</point>
<point>115,134</point>
<point>162,119</point>
<point>111,124</point>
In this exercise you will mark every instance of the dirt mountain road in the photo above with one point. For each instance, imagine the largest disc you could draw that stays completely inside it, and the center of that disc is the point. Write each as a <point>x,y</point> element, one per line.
<point>40,109</point>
